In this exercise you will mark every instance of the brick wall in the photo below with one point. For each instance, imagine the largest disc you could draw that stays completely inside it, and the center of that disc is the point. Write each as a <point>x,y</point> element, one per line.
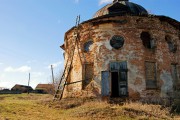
<point>101,52</point>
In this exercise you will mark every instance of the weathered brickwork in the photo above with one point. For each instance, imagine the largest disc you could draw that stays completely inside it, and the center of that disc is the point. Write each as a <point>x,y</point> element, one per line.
<point>101,54</point>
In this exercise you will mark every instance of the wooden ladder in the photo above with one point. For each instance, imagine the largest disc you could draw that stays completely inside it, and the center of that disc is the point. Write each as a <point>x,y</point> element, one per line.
<point>60,89</point>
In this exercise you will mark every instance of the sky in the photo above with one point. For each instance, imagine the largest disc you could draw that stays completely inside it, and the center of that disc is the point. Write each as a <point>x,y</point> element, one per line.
<point>31,32</point>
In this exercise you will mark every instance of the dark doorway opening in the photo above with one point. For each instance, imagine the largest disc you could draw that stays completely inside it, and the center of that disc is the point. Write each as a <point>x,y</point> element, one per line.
<point>119,84</point>
<point>114,84</point>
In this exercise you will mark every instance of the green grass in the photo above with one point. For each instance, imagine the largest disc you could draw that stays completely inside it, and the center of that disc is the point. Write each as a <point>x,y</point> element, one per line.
<point>41,107</point>
<point>26,107</point>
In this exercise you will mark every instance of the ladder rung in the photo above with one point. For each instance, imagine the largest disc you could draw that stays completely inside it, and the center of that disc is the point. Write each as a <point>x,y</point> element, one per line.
<point>62,83</point>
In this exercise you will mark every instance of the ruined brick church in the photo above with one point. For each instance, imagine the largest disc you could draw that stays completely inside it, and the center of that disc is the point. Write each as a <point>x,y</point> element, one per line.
<point>123,51</point>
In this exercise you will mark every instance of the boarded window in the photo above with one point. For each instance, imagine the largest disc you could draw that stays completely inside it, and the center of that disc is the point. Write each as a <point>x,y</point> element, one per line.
<point>178,75</point>
<point>178,69</point>
<point>89,73</point>
<point>174,73</point>
<point>150,70</point>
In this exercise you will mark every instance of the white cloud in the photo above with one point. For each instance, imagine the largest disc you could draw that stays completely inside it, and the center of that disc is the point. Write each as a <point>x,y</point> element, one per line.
<point>37,74</point>
<point>55,64</point>
<point>5,84</point>
<point>104,1</point>
<point>20,69</point>
<point>2,76</point>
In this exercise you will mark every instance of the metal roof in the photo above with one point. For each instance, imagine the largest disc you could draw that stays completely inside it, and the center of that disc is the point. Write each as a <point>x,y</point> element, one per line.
<point>121,7</point>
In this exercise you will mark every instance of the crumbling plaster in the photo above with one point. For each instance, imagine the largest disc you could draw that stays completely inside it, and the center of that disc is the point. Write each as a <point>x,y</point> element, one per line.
<point>133,51</point>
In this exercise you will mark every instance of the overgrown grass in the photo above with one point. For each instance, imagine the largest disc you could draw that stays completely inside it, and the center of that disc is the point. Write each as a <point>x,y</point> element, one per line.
<point>26,107</point>
<point>41,107</point>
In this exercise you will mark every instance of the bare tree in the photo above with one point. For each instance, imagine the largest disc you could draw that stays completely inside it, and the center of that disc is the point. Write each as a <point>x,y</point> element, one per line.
<point>57,78</point>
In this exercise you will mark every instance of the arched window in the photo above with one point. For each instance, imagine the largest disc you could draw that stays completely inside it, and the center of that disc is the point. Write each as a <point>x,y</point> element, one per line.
<point>87,45</point>
<point>172,47</point>
<point>147,40</point>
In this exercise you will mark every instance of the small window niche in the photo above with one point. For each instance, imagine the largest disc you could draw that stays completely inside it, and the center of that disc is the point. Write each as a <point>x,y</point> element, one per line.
<point>87,45</point>
<point>147,40</point>
<point>171,45</point>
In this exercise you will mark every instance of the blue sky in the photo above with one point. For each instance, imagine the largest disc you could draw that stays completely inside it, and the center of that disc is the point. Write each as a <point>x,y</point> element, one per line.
<point>31,32</point>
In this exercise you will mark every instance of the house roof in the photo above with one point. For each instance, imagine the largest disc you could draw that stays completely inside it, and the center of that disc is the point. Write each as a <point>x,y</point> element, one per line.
<point>22,86</point>
<point>44,86</point>
<point>17,85</point>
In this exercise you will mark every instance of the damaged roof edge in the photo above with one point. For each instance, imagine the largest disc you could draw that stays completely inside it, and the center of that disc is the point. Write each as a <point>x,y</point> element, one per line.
<point>171,21</point>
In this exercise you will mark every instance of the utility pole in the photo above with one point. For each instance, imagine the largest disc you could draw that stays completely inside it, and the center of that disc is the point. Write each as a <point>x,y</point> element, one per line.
<point>53,77</point>
<point>29,82</point>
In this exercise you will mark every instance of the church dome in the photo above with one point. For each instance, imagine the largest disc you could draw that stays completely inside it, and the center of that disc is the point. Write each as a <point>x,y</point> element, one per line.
<point>121,7</point>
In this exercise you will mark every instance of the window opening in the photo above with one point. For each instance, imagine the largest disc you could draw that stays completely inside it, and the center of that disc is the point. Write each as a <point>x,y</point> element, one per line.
<point>117,41</point>
<point>147,40</point>
<point>172,47</point>
<point>87,45</point>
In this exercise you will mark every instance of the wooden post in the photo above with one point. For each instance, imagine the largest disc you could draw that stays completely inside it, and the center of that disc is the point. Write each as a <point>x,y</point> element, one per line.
<point>29,82</point>
<point>53,77</point>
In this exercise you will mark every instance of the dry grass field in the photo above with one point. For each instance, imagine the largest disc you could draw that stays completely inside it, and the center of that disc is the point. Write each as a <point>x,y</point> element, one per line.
<point>41,107</point>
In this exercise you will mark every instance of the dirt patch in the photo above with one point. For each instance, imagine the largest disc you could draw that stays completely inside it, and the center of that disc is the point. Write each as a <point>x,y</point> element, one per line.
<point>69,103</point>
<point>98,113</point>
<point>2,98</point>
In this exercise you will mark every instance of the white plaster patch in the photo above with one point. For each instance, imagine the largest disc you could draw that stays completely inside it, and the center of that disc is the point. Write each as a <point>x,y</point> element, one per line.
<point>132,55</point>
<point>107,45</point>
<point>104,43</point>
<point>167,86</point>
<point>133,73</point>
